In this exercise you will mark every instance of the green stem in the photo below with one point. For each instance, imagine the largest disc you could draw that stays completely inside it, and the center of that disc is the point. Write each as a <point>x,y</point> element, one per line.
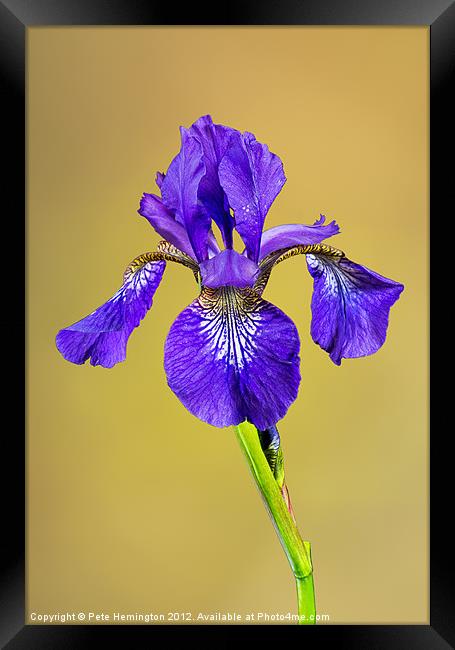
<point>297,551</point>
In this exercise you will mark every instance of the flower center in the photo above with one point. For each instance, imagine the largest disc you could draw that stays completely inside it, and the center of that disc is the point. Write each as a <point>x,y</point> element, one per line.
<point>228,268</point>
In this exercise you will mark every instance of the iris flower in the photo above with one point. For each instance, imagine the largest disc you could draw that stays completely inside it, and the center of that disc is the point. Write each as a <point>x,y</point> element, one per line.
<point>231,356</point>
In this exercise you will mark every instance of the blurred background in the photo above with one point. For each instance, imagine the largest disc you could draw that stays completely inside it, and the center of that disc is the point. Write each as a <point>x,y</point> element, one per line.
<point>133,504</point>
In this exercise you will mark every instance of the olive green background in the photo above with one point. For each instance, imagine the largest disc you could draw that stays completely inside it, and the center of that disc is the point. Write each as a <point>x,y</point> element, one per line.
<point>134,505</point>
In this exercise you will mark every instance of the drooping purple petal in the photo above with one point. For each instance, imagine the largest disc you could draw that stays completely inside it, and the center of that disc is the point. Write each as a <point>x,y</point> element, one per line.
<point>179,190</point>
<point>214,139</point>
<point>350,307</point>
<point>251,177</point>
<point>293,234</point>
<point>228,268</point>
<point>102,336</point>
<point>232,356</point>
<point>163,221</point>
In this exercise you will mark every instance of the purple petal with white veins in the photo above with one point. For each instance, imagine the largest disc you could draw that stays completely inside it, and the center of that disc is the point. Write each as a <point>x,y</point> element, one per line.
<point>179,190</point>
<point>103,335</point>
<point>251,177</point>
<point>214,139</point>
<point>163,221</point>
<point>232,356</point>
<point>350,307</point>
<point>293,234</point>
<point>228,268</point>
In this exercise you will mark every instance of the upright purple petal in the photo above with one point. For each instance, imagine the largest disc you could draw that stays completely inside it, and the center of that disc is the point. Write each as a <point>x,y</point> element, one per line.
<point>159,178</point>
<point>229,268</point>
<point>214,139</point>
<point>232,356</point>
<point>293,234</point>
<point>163,221</point>
<point>350,307</point>
<point>212,244</point>
<point>179,190</point>
<point>102,336</point>
<point>252,177</point>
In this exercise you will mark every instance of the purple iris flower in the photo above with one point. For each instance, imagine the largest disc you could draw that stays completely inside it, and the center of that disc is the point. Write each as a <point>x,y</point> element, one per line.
<point>230,355</point>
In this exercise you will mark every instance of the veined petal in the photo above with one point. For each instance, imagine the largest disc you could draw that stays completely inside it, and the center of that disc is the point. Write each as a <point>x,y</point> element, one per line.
<point>294,234</point>
<point>163,221</point>
<point>179,190</point>
<point>252,177</point>
<point>350,306</point>
<point>103,335</point>
<point>214,139</point>
<point>232,356</point>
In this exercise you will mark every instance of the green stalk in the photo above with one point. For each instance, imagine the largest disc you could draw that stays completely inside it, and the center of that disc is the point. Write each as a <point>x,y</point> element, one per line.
<point>297,551</point>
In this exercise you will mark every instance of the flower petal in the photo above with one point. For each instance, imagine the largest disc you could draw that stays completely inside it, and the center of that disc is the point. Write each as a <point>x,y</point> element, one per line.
<point>159,178</point>
<point>294,234</point>
<point>228,268</point>
<point>350,306</point>
<point>163,221</point>
<point>232,356</point>
<point>214,139</point>
<point>103,335</point>
<point>252,177</point>
<point>179,190</point>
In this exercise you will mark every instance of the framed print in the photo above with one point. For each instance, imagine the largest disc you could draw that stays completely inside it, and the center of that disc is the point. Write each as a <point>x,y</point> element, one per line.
<point>140,515</point>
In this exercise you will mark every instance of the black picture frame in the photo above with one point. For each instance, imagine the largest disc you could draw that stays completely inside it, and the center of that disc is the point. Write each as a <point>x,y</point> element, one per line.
<point>15,17</point>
